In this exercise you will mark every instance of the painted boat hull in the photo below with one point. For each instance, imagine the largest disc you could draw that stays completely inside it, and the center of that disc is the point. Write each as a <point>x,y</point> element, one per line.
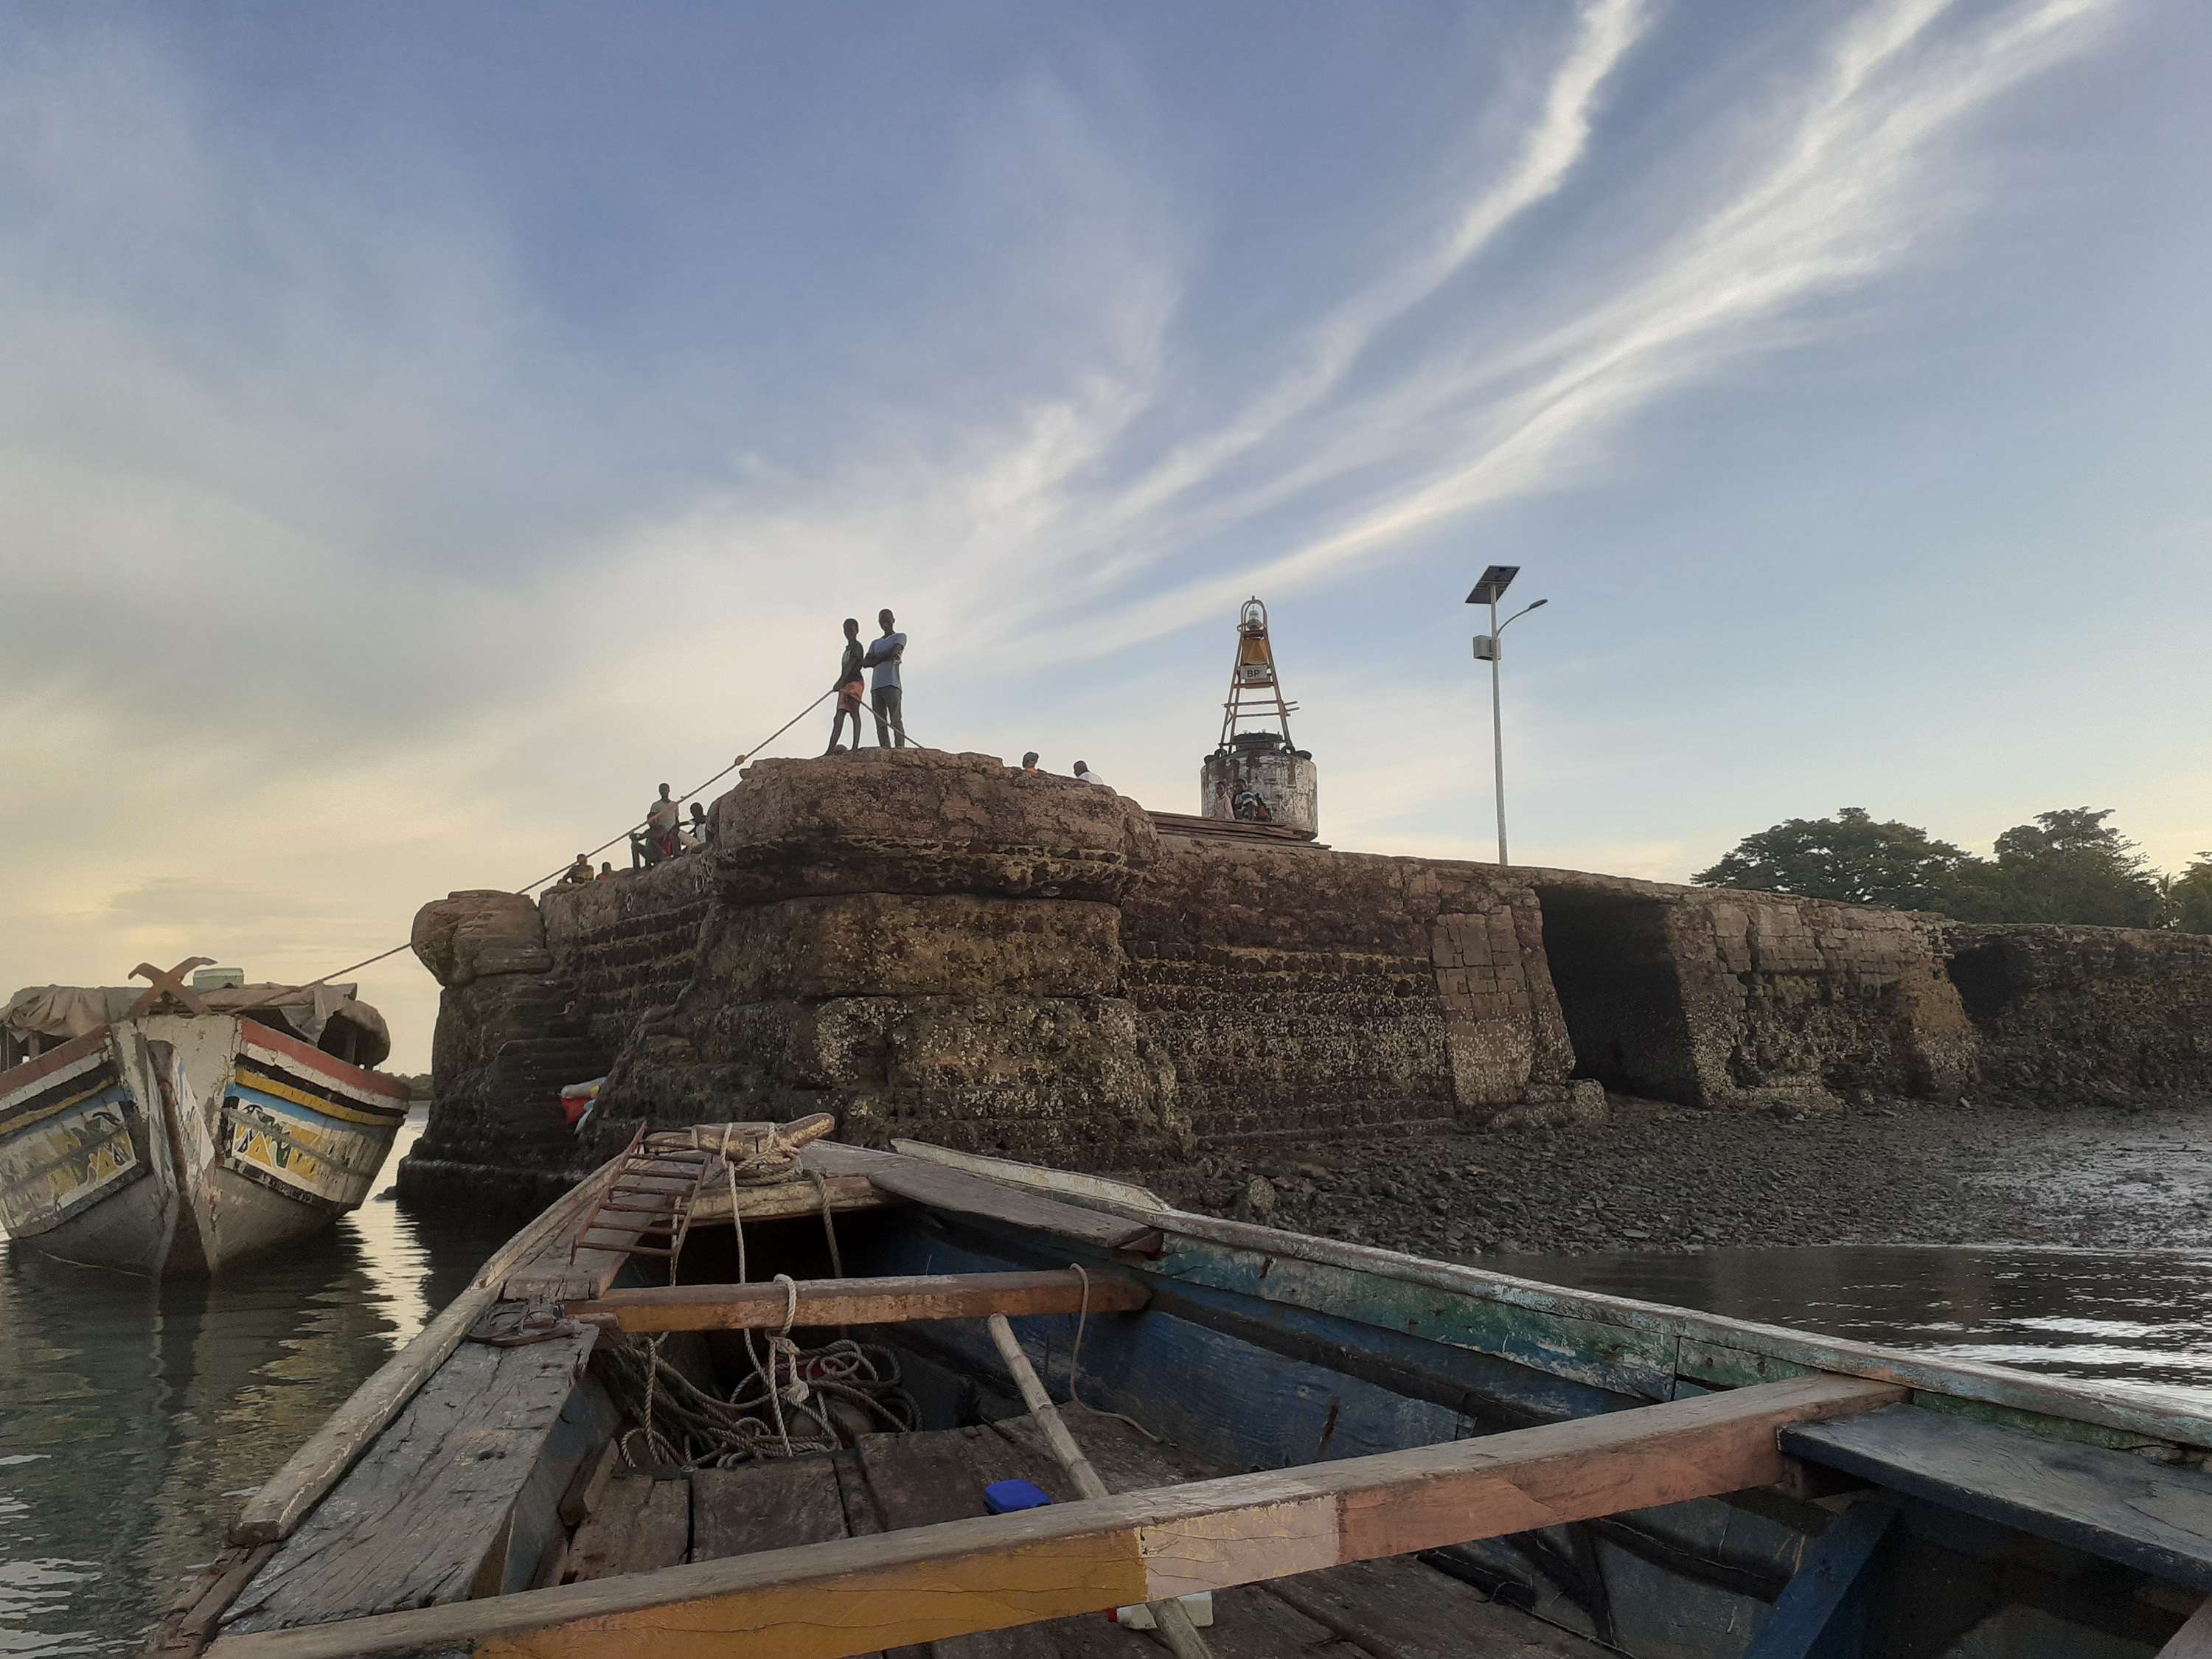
<point>177,1144</point>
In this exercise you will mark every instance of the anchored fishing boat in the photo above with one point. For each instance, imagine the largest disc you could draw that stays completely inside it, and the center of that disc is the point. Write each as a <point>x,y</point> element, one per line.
<point>177,1130</point>
<point>746,1391</point>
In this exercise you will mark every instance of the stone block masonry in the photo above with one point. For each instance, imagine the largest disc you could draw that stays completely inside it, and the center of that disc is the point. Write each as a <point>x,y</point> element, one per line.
<point>937,945</point>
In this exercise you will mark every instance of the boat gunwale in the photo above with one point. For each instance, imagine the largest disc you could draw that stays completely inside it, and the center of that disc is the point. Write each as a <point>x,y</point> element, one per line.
<point>36,1068</point>
<point>317,1060</point>
<point>2106,1406</point>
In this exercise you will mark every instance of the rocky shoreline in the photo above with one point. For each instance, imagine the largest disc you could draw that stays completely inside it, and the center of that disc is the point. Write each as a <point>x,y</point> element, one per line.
<point>1649,1176</point>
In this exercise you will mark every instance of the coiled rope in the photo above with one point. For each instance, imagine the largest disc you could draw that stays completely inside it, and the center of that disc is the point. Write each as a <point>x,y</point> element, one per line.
<point>683,1425</point>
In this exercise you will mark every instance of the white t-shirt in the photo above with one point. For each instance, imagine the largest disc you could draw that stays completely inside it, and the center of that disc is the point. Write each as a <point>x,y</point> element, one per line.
<point>885,651</point>
<point>1088,777</point>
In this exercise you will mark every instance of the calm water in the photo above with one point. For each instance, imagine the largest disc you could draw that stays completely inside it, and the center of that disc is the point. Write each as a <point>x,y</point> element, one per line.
<point>133,1417</point>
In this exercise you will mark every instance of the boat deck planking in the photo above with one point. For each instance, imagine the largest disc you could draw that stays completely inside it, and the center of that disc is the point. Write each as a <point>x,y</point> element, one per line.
<point>2147,1516</point>
<point>419,1518</point>
<point>956,1578</point>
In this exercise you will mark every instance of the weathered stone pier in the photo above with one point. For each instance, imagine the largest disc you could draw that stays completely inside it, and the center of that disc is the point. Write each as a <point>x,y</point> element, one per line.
<point>939,946</point>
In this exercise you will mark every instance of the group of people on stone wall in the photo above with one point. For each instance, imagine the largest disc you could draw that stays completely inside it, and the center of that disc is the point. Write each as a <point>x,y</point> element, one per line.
<point>666,836</point>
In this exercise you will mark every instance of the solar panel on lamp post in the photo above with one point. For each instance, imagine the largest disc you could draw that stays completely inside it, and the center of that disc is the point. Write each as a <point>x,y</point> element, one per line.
<point>1488,591</point>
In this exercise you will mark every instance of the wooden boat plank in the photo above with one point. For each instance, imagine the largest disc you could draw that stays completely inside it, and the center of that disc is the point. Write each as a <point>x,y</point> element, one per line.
<point>1488,1388</point>
<point>943,1188</point>
<point>2059,1399</point>
<point>765,1505</point>
<point>1404,1610</point>
<point>981,1454</point>
<point>1067,1183</point>
<point>1400,1608</point>
<point>412,1523</point>
<point>276,1510</point>
<point>1620,1359</point>
<point>1824,1607</point>
<point>861,1301</point>
<point>1172,1375</point>
<point>790,1198</point>
<point>587,1424</point>
<point>927,1582</point>
<point>641,1525</point>
<point>2153,1517</point>
<point>921,1480</point>
<point>1406,1389</point>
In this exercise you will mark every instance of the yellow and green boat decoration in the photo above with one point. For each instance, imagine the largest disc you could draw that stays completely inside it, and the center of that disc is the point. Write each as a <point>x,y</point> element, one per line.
<point>180,1142</point>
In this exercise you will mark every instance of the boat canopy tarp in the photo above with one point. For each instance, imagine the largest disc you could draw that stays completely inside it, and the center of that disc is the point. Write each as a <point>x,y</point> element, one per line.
<point>62,1011</point>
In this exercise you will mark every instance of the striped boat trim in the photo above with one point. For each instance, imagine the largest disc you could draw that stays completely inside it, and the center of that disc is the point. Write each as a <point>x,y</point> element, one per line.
<point>293,1057</point>
<point>59,1093</point>
<point>301,1093</point>
<point>36,1077</point>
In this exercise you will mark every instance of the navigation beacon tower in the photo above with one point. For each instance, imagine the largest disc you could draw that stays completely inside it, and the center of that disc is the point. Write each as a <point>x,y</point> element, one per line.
<point>1257,776</point>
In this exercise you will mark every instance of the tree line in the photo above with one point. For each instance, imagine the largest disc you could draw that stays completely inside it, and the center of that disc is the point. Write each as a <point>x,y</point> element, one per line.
<point>2069,866</point>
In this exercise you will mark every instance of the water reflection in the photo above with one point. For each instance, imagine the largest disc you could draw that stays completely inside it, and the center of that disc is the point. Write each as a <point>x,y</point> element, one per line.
<point>134,1416</point>
<point>2138,1320</point>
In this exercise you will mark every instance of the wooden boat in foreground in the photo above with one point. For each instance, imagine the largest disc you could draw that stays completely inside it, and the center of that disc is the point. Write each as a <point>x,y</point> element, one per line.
<point>181,1142</point>
<point>1359,1453</point>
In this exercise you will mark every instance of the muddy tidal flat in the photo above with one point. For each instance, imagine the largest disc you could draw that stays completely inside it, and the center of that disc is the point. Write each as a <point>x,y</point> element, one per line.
<point>1654,1177</point>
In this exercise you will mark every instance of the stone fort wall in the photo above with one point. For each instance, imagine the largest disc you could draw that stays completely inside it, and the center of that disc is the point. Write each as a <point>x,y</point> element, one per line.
<point>936,945</point>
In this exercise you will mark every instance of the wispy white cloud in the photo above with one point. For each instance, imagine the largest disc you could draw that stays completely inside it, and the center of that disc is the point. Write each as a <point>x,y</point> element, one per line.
<point>1835,204</point>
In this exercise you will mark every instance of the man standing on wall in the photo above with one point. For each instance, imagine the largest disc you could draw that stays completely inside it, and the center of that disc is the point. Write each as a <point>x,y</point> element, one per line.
<point>849,686</point>
<point>883,659</point>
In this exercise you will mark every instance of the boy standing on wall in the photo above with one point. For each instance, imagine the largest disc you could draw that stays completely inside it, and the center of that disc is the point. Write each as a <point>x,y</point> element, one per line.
<point>883,657</point>
<point>849,686</point>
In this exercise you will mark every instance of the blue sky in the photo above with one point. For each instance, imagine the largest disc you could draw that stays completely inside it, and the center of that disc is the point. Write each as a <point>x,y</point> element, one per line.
<point>425,428</point>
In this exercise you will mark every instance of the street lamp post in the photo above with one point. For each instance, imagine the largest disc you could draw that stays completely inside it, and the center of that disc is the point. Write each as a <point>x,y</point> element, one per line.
<point>1495,581</point>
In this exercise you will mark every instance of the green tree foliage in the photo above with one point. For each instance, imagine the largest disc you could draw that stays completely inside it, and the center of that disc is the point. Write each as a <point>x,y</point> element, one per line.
<point>1849,858</point>
<point>2189,897</point>
<point>2069,866</point>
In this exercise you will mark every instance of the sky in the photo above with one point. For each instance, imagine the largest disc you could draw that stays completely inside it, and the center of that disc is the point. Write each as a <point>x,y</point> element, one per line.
<point>424,429</point>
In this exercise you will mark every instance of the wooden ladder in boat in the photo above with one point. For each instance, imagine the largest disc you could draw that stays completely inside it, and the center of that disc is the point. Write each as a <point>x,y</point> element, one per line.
<point>645,1208</point>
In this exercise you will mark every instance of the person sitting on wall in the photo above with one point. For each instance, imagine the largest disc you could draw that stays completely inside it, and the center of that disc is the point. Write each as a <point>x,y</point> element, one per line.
<point>606,872</point>
<point>1251,809</point>
<point>1085,774</point>
<point>1222,806</point>
<point>581,871</point>
<point>1029,761</point>
<point>659,840</point>
<point>693,835</point>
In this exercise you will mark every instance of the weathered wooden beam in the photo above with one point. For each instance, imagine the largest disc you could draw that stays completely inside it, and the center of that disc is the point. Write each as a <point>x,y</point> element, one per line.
<point>788,1200</point>
<point>272,1512</point>
<point>860,1301</point>
<point>2150,1516</point>
<point>1821,1612</point>
<point>858,1596</point>
<point>945,1188</point>
<point>1171,1618</point>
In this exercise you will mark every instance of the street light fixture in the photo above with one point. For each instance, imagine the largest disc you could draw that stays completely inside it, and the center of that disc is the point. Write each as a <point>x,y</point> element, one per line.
<point>1495,581</point>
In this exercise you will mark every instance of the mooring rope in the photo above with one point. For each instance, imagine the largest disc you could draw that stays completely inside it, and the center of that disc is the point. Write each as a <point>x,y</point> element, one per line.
<point>744,756</point>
